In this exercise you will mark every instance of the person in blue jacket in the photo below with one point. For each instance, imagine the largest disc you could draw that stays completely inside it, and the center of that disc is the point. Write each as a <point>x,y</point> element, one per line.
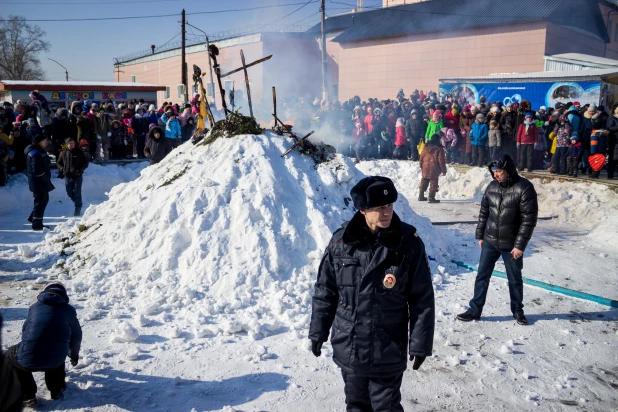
<point>39,179</point>
<point>478,136</point>
<point>575,119</point>
<point>50,334</point>
<point>173,131</point>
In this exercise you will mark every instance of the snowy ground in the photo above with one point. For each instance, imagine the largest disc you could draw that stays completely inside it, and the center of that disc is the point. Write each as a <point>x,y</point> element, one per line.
<point>194,295</point>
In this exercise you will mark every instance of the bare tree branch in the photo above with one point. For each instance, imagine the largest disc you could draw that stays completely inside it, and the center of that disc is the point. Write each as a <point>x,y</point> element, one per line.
<point>20,45</point>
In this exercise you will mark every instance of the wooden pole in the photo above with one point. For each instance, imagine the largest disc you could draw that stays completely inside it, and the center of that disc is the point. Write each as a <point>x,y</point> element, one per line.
<point>275,105</point>
<point>184,80</point>
<point>244,67</point>
<point>217,68</point>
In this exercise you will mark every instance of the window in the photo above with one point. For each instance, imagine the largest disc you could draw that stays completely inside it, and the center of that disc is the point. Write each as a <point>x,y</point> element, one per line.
<point>166,94</point>
<point>210,89</point>
<point>132,79</point>
<point>180,89</point>
<point>334,90</point>
<point>228,85</point>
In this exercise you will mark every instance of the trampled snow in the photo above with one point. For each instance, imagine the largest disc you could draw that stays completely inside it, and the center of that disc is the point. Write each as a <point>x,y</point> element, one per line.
<point>193,285</point>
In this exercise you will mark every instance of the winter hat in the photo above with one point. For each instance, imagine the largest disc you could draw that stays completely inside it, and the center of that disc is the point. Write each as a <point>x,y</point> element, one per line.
<point>152,108</point>
<point>529,115</point>
<point>94,106</point>
<point>84,143</point>
<point>151,126</point>
<point>576,104</point>
<point>56,288</point>
<point>495,109</point>
<point>399,122</point>
<point>69,140</point>
<point>358,122</point>
<point>413,112</point>
<point>436,116</point>
<point>542,108</point>
<point>377,111</point>
<point>493,123</point>
<point>16,125</point>
<point>38,138</point>
<point>480,116</point>
<point>592,108</point>
<point>373,191</point>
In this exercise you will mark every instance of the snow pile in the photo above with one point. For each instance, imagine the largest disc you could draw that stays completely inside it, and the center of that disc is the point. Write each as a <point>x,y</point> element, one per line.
<point>454,186</point>
<point>96,182</point>
<point>218,239</point>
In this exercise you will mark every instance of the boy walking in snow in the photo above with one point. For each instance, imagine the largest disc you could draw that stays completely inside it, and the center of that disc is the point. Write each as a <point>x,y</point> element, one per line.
<point>507,219</point>
<point>374,289</point>
<point>72,162</point>
<point>574,155</point>
<point>50,334</point>
<point>433,162</point>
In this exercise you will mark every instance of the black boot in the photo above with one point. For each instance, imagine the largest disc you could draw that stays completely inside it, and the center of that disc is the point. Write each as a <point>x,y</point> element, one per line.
<point>78,211</point>
<point>432,197</point>
<point>521,319</point>
<point>467,316</point>
<point>421,195</point>
<point>30,218</point>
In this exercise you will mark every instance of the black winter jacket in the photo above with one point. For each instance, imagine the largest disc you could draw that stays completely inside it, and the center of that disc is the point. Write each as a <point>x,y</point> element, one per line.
<point>50,334</point>
<point>612,127</point>
<point>72,163</point>
<point>156,149</point>
<point>37,168</point>
<point>370,323</point>
<point>508,211</point>
<point>415,129</point>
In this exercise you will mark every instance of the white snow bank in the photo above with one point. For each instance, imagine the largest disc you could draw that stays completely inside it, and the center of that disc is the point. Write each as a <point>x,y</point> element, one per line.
<point>229,235</point>
<point>96,182</point>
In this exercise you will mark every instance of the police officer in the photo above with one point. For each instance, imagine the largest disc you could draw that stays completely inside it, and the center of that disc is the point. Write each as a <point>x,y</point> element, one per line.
<point>39,179</point>
<point>374,288</point>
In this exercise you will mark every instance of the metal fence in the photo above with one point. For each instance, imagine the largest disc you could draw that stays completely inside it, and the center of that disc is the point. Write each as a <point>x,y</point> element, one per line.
<point>222,35</point>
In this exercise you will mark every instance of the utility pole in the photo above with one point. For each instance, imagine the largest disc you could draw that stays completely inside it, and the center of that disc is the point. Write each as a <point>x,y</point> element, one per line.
<point>117,69</point>
<point>212,82</point>
<point>323,47</point>
<point>184,56</point>
<point>66,72</point>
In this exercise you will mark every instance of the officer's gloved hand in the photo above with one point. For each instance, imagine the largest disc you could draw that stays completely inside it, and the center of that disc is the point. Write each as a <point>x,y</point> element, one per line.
<point>316,348</point>
<point>75,360</point>
<point>418,361</point>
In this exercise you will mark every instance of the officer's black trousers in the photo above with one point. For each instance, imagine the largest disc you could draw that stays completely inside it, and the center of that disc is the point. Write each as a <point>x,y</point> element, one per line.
<point>363,394</point>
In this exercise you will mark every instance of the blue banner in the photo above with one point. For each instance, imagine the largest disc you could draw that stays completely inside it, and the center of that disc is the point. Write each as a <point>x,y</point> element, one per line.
<point>538,94</point>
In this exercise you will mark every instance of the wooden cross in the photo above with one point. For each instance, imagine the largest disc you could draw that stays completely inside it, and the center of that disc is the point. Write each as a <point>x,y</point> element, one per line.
<point>244,68</point>
<point>297,142</point>
<point>214,52</point>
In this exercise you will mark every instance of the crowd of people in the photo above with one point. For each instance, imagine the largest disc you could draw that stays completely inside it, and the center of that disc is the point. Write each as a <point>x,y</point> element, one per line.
<point>564,136</point>
<point>104,132</point>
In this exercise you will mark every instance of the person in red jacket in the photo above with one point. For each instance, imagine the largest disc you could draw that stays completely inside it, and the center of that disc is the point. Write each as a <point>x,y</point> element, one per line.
<point>527,136</point>
<point>401,142</point>
<point>368,120</point>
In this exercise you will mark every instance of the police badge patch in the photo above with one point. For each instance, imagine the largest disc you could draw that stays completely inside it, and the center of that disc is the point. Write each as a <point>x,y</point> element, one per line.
<point>389,281</point>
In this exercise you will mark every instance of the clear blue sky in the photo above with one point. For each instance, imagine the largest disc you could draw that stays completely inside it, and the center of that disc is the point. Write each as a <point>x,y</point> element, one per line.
<point>87,48</point>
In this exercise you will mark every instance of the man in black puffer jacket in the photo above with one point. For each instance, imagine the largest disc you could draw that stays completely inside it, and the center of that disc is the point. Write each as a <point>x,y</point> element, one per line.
<point>507,219</point>
<point>374,289</point>
<point>50,334</point>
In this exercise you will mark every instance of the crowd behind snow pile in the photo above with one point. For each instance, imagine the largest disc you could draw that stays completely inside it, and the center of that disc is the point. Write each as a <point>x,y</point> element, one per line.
<point>470,133</point>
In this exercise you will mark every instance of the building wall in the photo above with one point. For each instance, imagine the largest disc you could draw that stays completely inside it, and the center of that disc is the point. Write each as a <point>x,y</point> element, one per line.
<point>379,68</point>
<point>561,39</point>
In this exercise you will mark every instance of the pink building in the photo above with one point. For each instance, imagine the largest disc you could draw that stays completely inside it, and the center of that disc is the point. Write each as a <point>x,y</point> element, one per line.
<point>294,68</point>
<point>407,44</point>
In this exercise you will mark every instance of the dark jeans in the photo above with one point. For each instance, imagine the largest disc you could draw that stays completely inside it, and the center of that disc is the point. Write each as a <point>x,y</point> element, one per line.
<point>525,156</point>
<point>74,189</point>
<point>489,256</point>
<point>363,394</point>
<point>558,161</point>
<point>494,152</point>
<point>479,153</point>
<point>141,144</point>
<point>54,378</point>
<point>41,199</point>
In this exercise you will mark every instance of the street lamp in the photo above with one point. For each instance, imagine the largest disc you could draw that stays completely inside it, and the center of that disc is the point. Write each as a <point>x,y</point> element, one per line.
<point>65,69</point>
<point>212,82</point>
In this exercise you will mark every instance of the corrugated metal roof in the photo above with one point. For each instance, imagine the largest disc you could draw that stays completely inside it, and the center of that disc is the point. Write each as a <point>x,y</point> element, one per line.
<point>448,15</point>
<point>73,83</point>
<point>584,58</point>
<point>542,76</point>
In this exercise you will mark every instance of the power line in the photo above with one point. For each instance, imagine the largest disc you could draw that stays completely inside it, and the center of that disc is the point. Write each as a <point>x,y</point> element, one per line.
<point>173,15</point>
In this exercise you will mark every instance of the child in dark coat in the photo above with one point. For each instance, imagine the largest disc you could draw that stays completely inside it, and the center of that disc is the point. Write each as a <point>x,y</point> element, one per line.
<point>50,334</point>
<point>574,155</point>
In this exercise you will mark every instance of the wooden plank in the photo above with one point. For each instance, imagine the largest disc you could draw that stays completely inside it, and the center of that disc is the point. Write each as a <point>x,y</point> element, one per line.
<point>247,66</point>
<point>244,66</point>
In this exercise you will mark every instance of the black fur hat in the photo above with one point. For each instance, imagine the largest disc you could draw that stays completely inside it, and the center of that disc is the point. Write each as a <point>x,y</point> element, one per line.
<point>373,191</point>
